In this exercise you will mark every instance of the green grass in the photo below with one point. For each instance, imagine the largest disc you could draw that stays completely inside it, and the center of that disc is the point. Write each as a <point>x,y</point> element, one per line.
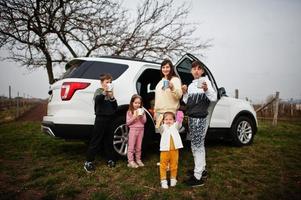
<point>33,164</point>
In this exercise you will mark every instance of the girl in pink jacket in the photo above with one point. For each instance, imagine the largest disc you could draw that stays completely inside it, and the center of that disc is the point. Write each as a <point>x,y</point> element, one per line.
<point>135,119</point>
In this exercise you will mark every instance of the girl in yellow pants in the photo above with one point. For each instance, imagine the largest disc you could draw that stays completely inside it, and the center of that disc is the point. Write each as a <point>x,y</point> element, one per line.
<point>169,144</point>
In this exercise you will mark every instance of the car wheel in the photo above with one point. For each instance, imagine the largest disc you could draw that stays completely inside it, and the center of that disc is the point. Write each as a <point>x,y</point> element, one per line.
<point>120,139</point>
<point>242,131</point>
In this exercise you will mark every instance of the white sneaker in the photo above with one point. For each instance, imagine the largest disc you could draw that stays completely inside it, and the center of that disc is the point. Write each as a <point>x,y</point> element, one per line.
<point>132,164</point>
<point>164,184</point>
<point>173,182</point>
<point>140,163</point>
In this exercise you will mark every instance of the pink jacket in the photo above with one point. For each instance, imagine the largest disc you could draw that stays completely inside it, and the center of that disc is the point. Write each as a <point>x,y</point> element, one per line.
<point>135,123</point>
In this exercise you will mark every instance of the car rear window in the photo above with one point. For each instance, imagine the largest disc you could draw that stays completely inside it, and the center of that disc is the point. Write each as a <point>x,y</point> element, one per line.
<point>92,69</point>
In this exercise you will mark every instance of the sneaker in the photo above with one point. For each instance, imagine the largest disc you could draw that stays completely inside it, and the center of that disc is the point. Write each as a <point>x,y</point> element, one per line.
<point>111,163</point>
<point>204,173</point>
<point>140,163</point>
<point>193,182</point>
<point>164,184</point>
<point>173,182</point>
<point>89,167</point>
<point>132,164</point>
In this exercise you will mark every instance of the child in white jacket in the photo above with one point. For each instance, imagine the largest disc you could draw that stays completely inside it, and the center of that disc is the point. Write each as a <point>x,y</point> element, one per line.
<point>197,97</point>
<point>170,144</point>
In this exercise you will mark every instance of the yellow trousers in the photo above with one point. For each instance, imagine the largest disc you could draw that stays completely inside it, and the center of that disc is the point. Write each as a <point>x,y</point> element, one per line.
<point>169,158</point>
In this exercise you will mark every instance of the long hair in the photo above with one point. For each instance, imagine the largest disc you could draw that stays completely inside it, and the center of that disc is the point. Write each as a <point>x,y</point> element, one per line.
<point>134,97</point>
<point>171,72</point>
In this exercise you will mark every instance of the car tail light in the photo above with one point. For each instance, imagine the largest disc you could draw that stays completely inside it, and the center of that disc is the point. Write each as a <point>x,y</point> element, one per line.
<point>69,88</point>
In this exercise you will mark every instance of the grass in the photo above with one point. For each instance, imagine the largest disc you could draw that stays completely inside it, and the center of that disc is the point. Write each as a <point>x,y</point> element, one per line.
<point>35,166</point>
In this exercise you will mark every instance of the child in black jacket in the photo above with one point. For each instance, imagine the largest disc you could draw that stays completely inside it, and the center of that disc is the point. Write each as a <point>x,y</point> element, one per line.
<point>104,107</point>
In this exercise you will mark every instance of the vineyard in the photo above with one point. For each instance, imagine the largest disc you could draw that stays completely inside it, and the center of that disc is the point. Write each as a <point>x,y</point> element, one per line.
<point>13,109</point>
<point>276,109</point>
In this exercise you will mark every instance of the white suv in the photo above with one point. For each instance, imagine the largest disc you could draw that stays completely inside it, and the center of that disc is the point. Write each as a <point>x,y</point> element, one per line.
<point>70,113</point>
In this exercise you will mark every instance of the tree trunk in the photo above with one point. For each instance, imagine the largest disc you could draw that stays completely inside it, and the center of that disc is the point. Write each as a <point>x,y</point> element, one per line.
<point>48,66</point>
<point>49,72</point>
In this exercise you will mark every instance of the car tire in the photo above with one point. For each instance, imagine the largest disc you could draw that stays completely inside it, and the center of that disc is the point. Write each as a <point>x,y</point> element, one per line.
<point>120,136</point>
<point>242,131</point>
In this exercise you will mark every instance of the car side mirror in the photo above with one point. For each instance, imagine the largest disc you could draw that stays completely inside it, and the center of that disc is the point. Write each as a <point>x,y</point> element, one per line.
<point>222,92</point>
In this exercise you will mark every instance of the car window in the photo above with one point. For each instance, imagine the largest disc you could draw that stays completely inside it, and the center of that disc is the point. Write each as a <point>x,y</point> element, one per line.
<point>92,69</point>
<point>76,69</point>
<point>183,69</point>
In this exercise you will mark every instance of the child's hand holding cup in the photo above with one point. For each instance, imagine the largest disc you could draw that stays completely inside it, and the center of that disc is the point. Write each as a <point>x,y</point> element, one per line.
<point>109,90</point>
<point>202,83</point>
<point>109,87</point>
<point>140,111</point>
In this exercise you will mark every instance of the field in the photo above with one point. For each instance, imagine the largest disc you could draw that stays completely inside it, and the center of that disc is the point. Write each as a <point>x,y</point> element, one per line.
<point>35,166</point>
<point>32,109</point>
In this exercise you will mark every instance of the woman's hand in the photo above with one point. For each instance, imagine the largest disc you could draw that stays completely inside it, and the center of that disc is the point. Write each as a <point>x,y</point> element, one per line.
<point>171,85</point>
<point>184,89</point>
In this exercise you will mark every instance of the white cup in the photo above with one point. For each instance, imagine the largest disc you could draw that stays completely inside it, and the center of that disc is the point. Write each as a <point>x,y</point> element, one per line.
<point>140,111</point>
<point>109,87</point>
<point>201,81</point>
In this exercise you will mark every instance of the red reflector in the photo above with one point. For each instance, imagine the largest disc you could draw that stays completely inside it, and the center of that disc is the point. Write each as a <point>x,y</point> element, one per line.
<point>69,88</point>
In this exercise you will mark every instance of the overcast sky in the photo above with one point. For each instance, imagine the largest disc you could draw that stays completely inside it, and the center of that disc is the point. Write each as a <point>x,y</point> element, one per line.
<point>256,49</point>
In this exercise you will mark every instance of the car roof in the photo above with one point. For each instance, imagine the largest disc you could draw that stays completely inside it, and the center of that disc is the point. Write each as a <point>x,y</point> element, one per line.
<point>116,58</point>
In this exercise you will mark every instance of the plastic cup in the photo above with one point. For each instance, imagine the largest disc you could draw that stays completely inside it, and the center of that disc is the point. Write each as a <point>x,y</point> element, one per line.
<point>140,111</point>
<point>165,84</point>
<point>201,82</point>
<point>109,87</point>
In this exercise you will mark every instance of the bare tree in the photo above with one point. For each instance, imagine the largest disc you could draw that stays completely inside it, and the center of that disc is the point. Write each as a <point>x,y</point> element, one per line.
<point>42,33</point>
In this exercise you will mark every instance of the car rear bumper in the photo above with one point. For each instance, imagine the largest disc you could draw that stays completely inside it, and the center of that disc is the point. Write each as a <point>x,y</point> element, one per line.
<point>67,131</point>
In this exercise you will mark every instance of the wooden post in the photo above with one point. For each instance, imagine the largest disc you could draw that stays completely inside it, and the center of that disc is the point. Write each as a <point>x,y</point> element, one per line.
<point>9,92</point>
<point>236,93</point>
<point>291,108</point>
<point>263,111</point>
<point>276,109</point>
<point>18,107</point>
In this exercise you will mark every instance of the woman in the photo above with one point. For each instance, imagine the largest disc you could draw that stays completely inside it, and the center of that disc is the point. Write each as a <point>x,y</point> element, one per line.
<point>168,92</point>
